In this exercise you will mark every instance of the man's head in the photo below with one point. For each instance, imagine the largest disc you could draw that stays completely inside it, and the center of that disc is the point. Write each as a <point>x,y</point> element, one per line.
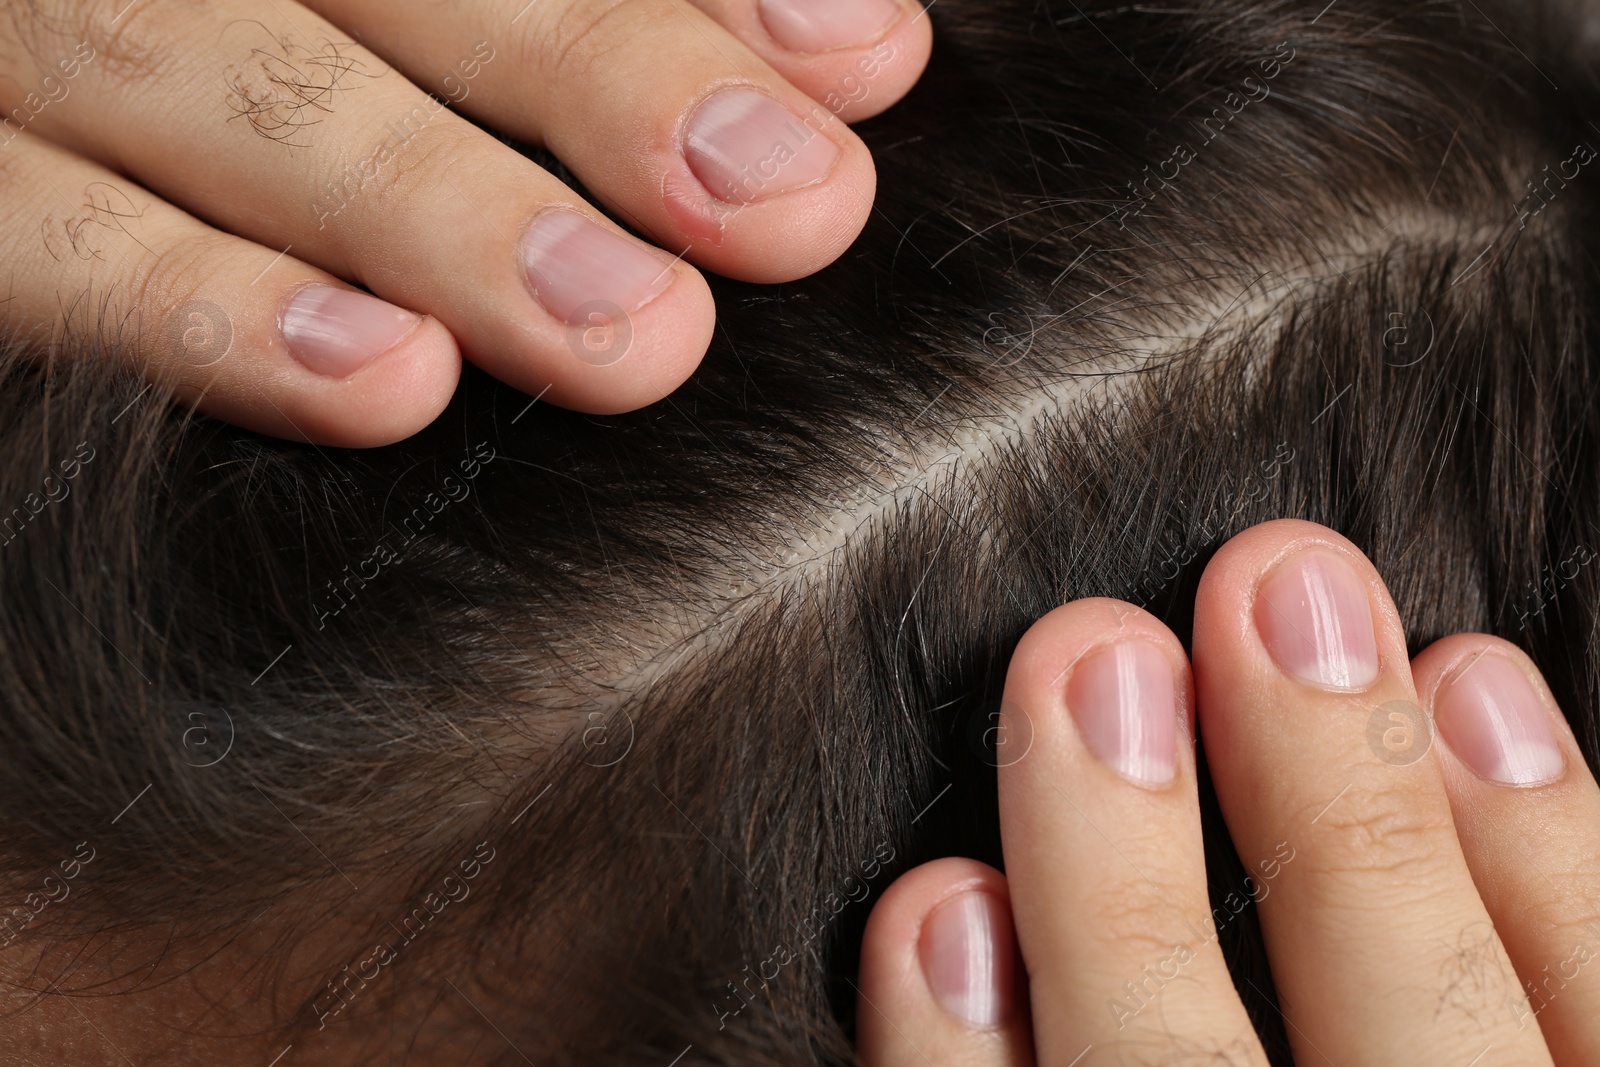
<point>583,739</point>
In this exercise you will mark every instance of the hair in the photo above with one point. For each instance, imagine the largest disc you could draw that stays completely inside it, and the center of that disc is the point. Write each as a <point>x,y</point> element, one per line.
<point>617,725</point>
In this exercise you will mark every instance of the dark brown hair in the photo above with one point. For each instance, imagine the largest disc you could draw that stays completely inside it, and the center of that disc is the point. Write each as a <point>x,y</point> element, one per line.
<point>683,689</point>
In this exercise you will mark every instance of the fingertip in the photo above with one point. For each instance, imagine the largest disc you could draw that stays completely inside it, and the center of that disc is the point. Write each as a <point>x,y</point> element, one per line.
<point>1494,712</point>
<point>1527,824</point>
<point>1240,562</point>
<point>879,77</point>
<point>422,373</point>
<point>1309,598</point>
<point>1059,639</point>
<point>786,236</point>
<point>396,394</point>
<point>940,971</point>
<point>617,361</point>
<point>855,70</point>
<point>1430,666</point>
<point>897,917</point>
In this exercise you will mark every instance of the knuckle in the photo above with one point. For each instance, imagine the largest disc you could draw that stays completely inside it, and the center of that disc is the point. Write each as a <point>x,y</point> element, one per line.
<point>283,83</point>
<point>1140,921</point>
<point>573,39</point>
<point>15,169</point>
<point>406,168</point>
<point>1172,1049</point>
<point>1388,836</point>
<point>132,45</point>
<point>278,80</point>
<point>103,223</point>
<point>164,281</point>
<point>1563,897</point>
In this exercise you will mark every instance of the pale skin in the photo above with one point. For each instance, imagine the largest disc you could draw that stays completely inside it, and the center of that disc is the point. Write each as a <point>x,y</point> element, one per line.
<point>1409,894</point>
<point>284,207</point>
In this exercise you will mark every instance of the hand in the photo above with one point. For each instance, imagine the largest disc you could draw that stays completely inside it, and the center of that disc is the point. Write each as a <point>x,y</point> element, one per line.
<point>1426,900</point>
<point>716,128</point>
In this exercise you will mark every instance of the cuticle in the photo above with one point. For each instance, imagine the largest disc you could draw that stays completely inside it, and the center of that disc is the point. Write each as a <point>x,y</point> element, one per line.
<point>883,32</point>
<point>290,296</point>
<point>1455,668</point>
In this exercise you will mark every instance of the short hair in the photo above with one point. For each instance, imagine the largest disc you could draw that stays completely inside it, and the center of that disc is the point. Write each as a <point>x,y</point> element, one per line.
<point>685,688</point>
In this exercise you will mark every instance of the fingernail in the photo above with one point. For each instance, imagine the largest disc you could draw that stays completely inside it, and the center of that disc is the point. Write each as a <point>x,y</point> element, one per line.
<point>822,25</point>
<point>967,957</point>
<point>571,262</point>
<point>1122,699</point>
<point>1491,716</point>
<point>1313,616</point>
<point>745,146</point>
<point>336,332</point>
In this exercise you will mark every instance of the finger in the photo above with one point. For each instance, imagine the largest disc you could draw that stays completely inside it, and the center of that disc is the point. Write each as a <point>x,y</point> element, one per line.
<point>1528,816</point>
<point>664,115</point>
<point>1381,949</point>
<point>941,983</point>
<point>854,57</point>
<point>270,123</point>
<point>1101,830</point>
<point>250,336</point>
